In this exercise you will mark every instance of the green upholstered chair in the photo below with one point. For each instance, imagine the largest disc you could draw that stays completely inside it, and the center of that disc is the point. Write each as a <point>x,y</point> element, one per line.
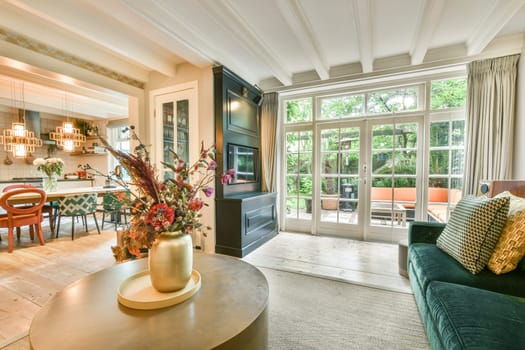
<point>75,206</point>
<point>116,204</point>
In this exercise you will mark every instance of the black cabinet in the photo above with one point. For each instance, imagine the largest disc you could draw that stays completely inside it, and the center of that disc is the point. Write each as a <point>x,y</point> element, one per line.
<point>244,222</point>
<point>245,217</point>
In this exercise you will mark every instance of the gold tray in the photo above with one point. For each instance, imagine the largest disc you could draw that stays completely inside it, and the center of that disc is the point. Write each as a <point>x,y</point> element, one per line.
<point>136,292</point>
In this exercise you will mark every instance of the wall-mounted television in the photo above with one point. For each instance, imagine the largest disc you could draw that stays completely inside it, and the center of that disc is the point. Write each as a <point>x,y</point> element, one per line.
<point>244,160</point>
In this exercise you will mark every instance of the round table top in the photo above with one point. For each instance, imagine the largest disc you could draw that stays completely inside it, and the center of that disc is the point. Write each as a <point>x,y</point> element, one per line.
<point>87,315</point>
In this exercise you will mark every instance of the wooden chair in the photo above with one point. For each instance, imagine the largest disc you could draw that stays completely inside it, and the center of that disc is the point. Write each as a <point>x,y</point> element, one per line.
<point>77,205</point>
<point>48,209</point>
<point>22,216</point>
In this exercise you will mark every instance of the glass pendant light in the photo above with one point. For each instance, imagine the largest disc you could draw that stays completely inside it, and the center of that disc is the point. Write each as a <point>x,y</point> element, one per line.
<point>18,140</point>
<point>67,136</point>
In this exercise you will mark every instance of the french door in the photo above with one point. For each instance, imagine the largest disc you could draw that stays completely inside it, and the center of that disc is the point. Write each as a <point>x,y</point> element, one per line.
<point>364,178</point>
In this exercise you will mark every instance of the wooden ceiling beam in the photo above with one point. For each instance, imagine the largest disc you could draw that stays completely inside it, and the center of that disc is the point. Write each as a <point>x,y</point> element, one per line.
<point>428,19</point>
<point>501,14</point>
<point>364,24</point>
<point>296,19</point>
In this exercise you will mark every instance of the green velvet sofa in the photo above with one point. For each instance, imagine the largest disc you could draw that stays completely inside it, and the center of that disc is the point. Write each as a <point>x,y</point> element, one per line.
<point>460,310</point>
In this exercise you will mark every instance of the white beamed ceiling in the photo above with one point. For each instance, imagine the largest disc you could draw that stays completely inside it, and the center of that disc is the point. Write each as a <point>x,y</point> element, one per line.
<point>272,43</point>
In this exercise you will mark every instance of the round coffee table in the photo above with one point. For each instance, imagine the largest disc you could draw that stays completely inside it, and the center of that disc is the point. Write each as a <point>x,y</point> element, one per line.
<point>228,312</point>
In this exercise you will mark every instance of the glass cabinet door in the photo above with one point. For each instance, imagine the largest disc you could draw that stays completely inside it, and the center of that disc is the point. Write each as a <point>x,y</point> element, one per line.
<point>175,129</point>
<point>175,133</point>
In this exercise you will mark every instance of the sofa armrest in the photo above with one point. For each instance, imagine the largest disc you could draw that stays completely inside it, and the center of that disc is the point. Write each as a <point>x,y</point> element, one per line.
<point>424,232</point>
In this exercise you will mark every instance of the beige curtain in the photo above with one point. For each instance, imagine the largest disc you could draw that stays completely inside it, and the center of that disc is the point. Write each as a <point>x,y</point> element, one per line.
<point>490,121</point>
<point>269,110</point>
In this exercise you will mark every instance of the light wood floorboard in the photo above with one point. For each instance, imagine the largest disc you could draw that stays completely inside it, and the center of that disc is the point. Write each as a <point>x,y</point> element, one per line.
<point>366,263</point>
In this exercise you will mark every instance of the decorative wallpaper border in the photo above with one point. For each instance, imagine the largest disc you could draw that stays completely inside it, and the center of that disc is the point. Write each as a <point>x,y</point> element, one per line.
<point>36,46</point>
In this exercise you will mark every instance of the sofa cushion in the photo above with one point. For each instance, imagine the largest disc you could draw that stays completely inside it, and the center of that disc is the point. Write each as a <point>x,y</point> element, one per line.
<point>428,263</point>
<point>510,248</point>
<point>473,230</point>
<point>472,318</point>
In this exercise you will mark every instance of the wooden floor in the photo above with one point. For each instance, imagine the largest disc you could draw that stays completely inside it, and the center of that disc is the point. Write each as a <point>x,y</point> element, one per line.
<point>32,274</point>
<point>365,263</point>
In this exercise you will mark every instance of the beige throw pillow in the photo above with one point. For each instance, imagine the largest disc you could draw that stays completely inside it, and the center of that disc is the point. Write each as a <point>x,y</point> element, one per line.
<point>511,245</point>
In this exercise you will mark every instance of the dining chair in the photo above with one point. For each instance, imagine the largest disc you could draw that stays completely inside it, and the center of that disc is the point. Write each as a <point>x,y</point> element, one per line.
<point>75,206</point>
<point>116,204</point>
<point>49,209</point>
<point>17,216</point>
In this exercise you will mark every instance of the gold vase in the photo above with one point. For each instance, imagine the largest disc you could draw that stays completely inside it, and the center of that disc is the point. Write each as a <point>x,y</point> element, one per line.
<point>171,261</point>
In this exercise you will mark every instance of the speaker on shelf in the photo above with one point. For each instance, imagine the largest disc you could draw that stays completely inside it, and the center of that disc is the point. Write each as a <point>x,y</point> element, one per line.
<point>483,187</point>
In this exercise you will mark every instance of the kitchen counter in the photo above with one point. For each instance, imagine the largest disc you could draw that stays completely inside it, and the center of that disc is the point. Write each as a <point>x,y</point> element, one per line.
<point>37,182</point>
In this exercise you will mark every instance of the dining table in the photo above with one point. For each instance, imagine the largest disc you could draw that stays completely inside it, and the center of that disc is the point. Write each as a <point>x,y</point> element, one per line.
<point>55,195</point>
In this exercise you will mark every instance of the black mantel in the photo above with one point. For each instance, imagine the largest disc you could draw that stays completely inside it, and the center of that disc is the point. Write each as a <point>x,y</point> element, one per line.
<point>245,217</point>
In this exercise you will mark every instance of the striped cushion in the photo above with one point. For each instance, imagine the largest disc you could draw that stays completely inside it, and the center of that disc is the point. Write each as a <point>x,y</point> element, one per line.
<point>511,245</point>
<point>473,230</point>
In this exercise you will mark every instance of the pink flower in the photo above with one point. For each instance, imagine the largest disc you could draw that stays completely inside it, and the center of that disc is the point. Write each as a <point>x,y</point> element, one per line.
<point>225,178</point>
<point>208,191</point>
<point>212,165</point>
<point>231,172</point>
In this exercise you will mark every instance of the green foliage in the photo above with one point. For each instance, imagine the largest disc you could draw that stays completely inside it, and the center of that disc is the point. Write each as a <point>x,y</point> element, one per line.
<point>344,106</point>
<point>393,100</point>
<point>450,93</point>
<point>299,110</point>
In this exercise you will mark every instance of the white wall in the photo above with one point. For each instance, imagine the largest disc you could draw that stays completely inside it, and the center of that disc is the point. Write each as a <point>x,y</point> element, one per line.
<point>519,136</point>
<point>187,73</point>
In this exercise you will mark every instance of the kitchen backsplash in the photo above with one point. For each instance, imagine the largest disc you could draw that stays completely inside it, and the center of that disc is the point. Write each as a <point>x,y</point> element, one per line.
<point>21,168</point>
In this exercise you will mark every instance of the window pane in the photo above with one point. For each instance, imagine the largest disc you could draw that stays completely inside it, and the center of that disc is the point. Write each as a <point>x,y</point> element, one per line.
<point>438,163</point>
<point>291,207</point>
<point>395,100</point>
<point>406,136</point>
<point>458,133</point>
<point>350,163</point>
<point>292,142</point>
<point>292,163</point>
<point>292,185</point>
<point>305,141</point>
<point>343,106</point>
<point>305,186</point>
<point>349,139</point>
<point>382,137</point>
<point>381,182</point>
<point>438,134</point>
<point>381,162</point>
<point>448,93</point>
<point>330,140</point>
<point>456,163</point>
<point>299,110</point>
<point>329,163</point>
<point>329,185</point>
<point>405,163</point>
<point>305,164</point>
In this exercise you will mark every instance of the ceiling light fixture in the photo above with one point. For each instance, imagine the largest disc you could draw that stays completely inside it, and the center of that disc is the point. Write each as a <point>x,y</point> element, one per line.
<point>18,140</point>
<point>67,136</point>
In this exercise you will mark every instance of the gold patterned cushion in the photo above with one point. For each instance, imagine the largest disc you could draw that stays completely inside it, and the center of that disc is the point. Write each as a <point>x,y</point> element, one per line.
<point>511,245</point>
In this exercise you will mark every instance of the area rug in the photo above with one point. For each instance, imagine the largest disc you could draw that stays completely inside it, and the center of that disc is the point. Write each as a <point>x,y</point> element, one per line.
<point>315,313</point>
